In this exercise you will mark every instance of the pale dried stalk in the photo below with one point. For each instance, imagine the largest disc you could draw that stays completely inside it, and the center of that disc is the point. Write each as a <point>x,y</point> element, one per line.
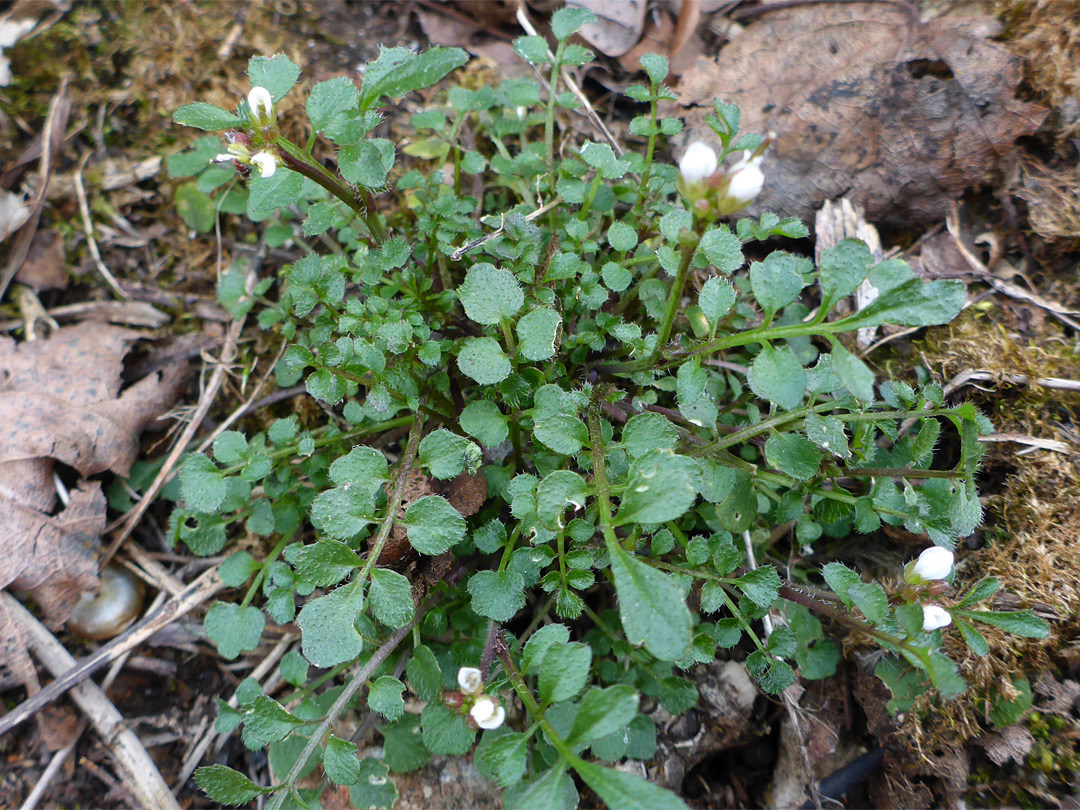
<point>183,603</point>
<point>137,771</point>
<point>88,229</point>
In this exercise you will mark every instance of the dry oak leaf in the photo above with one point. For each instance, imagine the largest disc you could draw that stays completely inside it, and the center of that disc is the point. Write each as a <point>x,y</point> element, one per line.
<point>868,102</point>
<point>60,400</point>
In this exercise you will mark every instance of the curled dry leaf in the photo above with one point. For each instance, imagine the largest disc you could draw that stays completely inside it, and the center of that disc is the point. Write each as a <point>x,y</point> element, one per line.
<point>868,102</point>
<point>618,25</point>
<point>60,400</point>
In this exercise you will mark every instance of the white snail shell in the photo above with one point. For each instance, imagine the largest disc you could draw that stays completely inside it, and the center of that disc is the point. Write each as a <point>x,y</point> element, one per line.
<point>111,609</point>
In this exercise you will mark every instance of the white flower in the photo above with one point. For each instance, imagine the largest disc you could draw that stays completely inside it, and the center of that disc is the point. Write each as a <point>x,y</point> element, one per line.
<point>746,178</point>
<point>487,713</point>
<point>470,680</point>
<point>935,617</point>
<point>261,103</point>
<point>266,162</point>
<point>697,163</point>
<point>934,563</point>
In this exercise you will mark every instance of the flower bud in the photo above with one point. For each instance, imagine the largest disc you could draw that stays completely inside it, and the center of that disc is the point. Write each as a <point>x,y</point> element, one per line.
<point>697,163</point>
<point>452,699</point>
<point>934,563</point>
<point>746,179</point>
<point>470,680</point>
<point>261,104</point>
<point>935,617</point>
<point>487,713</point>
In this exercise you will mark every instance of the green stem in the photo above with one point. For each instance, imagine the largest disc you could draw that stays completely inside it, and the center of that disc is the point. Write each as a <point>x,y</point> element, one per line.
<point>642,189</point>
<point>549,118</point>
<point>360,201</point>
<point>274,554</point>
<point>600,482</point>
<point>342,702</point>
<point>688,240</point>
<point>393,503</point>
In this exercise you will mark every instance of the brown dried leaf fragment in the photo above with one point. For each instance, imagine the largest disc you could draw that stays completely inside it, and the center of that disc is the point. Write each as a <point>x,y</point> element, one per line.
<point>868,102</point>
<point>59,398</point>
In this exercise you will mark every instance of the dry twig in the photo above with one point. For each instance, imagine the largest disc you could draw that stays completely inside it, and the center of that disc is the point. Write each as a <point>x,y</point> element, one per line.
<point>139,773</point>
<point>183,603</point>
<point>88,229</point>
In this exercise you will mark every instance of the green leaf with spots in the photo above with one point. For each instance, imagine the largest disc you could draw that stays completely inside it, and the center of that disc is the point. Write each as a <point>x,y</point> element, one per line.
<point>776,282</point>
<point>276,73</point>
<point>794,455</point>
<point>385,697</point>
<point>660,486</point>
<point>390,598</point>
<point>562,433</point>
<point>223,784</point>
<point>498,595</point>
<point>651,605</point>
<point>234,629</point>
<point>776,375</point>
<point>853,373</point>
<point>490,294</point>
<point>483,360</point>
<point>716,298</point>
<point>445,731</point>
<point>564,671</point>
<point>433,525</point>
<point>647,432</point>
<point>484,422</point>
<point>340,761</point>
<point>446,454</point>
<point>327,625</point>
<point>537,332</point>
<point>364,466</point>
<point>207,117</point>
<point>843,268</point>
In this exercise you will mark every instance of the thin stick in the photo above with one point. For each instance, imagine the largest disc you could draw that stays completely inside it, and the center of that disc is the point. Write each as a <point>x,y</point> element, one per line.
<point>183,603</point>
<point>192,760</point>
<point>61,756</point>
<point>228,352</point>
<point>483,240</point>
<point>530,29</point>
<point>347,694</point>
<point>138,771</point>
<point>88,229</point>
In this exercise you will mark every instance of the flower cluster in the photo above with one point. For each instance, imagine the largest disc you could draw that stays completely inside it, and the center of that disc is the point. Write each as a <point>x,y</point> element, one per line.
<point>712,193</point>
<point>238,151</point>
<point>484,710</point>
<point>928,573</point>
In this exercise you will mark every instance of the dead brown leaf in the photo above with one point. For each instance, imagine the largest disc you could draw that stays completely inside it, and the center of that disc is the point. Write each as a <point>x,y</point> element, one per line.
<point>44,267</point>
<point>868,102</point>
<point>60,400</point>
<point>618,26</point>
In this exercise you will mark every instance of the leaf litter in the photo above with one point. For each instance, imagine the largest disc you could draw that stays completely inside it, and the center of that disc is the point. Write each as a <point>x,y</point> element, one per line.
<point>60,401</point>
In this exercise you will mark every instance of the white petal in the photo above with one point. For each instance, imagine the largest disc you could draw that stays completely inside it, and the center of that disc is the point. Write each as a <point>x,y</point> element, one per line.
<point>261,102</point>
<point>470,680</point>
<point>746,183</point>
<point>934,563</point>
<point>495,720</point>
<point>483,710</point>
<point>266,162</point>
<point>698,162</point>
<point>935,617</point>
